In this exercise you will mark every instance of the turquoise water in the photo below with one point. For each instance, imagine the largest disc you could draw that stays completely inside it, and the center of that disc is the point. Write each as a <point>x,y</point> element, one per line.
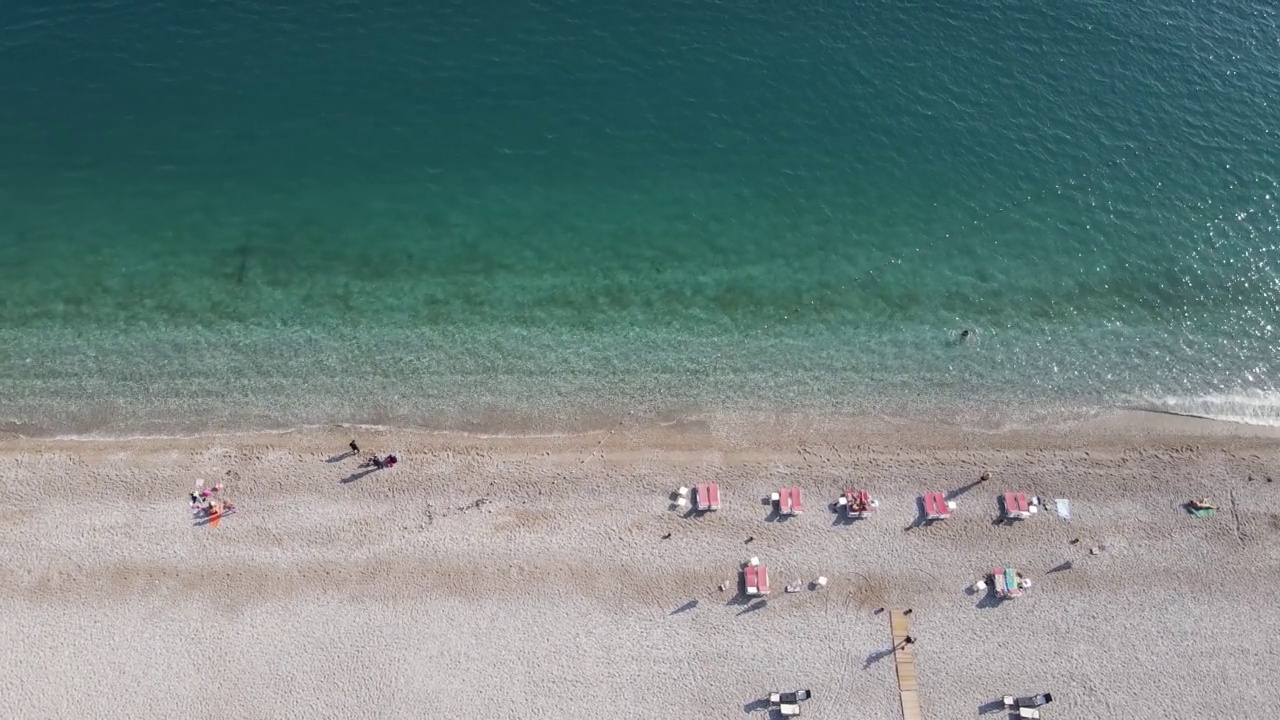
<point>228,215</point>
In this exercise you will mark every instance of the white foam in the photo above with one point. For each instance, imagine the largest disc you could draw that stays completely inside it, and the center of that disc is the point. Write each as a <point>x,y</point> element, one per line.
<point>1250,407</point>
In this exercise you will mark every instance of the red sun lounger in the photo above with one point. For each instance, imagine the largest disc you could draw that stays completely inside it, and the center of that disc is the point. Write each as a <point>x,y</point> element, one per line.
<point>936,507</point>
<point>708,497</point>
<point>856,503</point>
<point>756,579</point>
<point>1016,505</point>
<point>789,502</point>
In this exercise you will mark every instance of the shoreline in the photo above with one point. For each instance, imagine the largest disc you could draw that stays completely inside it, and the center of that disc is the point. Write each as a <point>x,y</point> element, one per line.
<point>1115,426</point>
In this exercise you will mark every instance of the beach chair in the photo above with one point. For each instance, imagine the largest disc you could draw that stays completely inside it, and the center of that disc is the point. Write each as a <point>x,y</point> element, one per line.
<point>1024,712</point>
<point>1005,582</point>
<point>707,497</point>
<point>755,579</point>
<point>788,703</point>
<point>1035,701</point>
<point>936,506</point>
<point>856,503</point>
<point>788,502</point>
<point>1017,506</point>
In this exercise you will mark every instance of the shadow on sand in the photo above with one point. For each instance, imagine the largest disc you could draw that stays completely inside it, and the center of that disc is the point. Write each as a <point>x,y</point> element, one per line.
<point>991,707</point>
<point>876,657</point>
<point>989,600</point>
<point>685,607</point>
<point>922,518</point>
<point>954,494</point>
<point>358,475</point>
<point>205,518</point>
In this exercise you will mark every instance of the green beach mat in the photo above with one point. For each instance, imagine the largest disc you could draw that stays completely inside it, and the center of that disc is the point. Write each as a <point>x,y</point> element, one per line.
<point>1203,513</point>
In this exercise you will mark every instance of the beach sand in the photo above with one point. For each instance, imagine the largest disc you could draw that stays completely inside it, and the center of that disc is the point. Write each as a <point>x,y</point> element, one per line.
<point>529,577</point>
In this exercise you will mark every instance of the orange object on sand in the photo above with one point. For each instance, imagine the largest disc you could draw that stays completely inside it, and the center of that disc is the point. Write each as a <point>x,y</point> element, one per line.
<point>216,516</point>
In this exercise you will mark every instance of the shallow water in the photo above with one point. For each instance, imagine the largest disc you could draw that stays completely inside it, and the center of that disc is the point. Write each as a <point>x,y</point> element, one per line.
<point>237,215</point>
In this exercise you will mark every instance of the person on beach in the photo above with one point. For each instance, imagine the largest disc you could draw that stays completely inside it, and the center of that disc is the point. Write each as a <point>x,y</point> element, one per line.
<point>1203,504</point>
<point>381,463</point>
<point>355,449</point>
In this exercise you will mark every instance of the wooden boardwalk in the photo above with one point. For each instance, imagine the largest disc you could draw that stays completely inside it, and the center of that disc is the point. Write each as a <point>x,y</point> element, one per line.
<point>904,659</point>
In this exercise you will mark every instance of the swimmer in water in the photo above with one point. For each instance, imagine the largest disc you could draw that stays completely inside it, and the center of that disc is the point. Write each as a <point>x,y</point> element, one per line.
<point>964,334</point>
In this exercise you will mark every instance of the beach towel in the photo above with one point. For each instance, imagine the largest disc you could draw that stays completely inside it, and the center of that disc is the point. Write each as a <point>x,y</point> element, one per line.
<point>1063,507</point>
<point>1203,512</point>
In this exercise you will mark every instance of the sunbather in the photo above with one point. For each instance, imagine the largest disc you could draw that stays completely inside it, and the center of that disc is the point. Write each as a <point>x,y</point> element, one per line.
<point>1203,504</point>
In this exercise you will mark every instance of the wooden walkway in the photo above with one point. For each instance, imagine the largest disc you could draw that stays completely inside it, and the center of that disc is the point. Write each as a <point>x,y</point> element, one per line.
<point>904,658</point>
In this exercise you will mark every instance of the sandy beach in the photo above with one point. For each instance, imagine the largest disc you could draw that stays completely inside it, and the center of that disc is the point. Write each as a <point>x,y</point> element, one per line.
<point>540,577</point>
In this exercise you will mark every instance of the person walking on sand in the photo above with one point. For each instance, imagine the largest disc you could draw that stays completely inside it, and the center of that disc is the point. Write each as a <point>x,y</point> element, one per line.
<point>355,449</point>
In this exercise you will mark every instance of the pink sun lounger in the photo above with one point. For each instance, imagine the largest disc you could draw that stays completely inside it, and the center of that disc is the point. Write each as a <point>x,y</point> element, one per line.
<point>789,501</point>
<point>935,506</point>
<point>1016,505</point>
<point>756,579</point>
<point>857,503</point>
<point>708,496</point>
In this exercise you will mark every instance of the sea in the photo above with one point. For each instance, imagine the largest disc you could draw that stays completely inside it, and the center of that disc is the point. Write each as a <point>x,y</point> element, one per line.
<point>224,215</point>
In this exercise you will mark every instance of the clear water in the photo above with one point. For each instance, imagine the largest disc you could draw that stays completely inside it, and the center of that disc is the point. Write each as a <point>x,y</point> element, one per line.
<point>234,215</point>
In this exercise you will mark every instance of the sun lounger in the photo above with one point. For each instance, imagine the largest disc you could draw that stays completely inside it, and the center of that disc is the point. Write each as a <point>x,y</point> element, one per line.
<point>1034,701</point>
<point>1016,506</point>
<point>857,503</point>
<point>1028,713</point>
<point>788,703</point>
<point>707,497</point>
<point>756,579</point>
<point>788,501</point>
<point>936,506</point>
<point>1005,582</point>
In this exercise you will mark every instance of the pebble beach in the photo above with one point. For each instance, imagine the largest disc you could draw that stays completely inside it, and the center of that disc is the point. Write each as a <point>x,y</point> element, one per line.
<point>550,576</point>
